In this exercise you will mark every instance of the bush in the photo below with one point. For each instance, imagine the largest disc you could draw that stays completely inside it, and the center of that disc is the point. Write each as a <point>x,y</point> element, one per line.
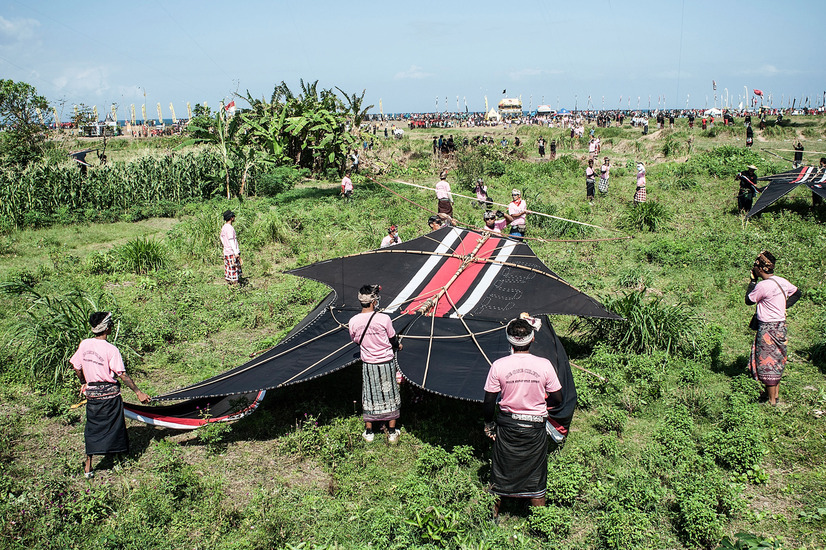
<point>610,420</point>
<point>142,255</point>
<point>648,325</point>
<point>550,522</point>
<point>278,180</point>
<point>566,480</point>
<point>621,528</point>
<point>646,216</point>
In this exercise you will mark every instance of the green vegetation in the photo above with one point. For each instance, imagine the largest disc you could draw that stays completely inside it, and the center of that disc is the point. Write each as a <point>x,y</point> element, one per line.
<point>671,451</point>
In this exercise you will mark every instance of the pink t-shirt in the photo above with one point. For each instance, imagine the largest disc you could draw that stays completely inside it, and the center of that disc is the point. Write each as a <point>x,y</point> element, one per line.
<point>98,359</point>
<point>375,348</point>
<point>229,240</point>
<point>498,226</point>
<point>771,302</point>
<point>523,380</point>
<point>388,240</point>
<point>604,171</point>
<point>589,172</point>
<point>443,190</point>
<point>517,209</point>
<point>346,184</point>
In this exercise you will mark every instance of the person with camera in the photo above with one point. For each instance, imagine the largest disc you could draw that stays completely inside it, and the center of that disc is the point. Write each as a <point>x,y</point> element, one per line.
<point>772,295</point>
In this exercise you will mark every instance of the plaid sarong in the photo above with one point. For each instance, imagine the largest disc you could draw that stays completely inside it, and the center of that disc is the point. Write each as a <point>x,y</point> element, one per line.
<point>768,352</point>
<point>639,196</point>
<point>232,268</point>
<point>603,185</point>
<point>380,397</point>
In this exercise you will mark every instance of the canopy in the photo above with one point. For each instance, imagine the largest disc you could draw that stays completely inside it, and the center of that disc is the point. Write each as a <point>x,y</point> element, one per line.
<point>713,112</point>
<point>450,294</point>
<point>492,115</point>
<point>784,183</point>
<point>544,109</point>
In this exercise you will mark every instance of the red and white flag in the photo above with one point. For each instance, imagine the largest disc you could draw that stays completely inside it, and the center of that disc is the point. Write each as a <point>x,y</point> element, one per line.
<point>758,92</point>
<point>230,108</point>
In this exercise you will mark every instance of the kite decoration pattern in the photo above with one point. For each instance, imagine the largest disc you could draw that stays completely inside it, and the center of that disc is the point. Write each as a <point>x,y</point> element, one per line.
<point>784,183</point>
<point>450,293</point>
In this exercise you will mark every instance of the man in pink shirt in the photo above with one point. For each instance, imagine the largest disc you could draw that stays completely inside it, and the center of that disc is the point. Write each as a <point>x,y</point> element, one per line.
<point>347,186</point>
<point>232,252</point>
<point>772,295</point>
<point>527,387</point>
<point>517,210</point>
<point>492,224</point>
<point>378,342</point>
<point>97,364</point>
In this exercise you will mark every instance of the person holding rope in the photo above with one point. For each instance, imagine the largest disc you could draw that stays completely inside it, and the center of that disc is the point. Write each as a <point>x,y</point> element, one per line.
<point>773,295</point>
<point>97,364</point>
<point>444,196</point>
<point>526,386</point>
<point>378,342</point>
<point>817,200</point>
<point>517,211</point>
<point>604,174</point>
<point>493,223</point>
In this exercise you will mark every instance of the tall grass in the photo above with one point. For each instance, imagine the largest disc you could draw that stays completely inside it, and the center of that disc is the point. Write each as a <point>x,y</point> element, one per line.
<point>648,325</point>
<point>646,216</point>
<point>47,334</point>
<point>142,255</point>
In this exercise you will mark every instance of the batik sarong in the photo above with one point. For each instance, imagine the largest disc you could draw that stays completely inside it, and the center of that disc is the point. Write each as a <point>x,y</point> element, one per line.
<point>380,397</point>
<point>768,353</point>
<point>603,185</point>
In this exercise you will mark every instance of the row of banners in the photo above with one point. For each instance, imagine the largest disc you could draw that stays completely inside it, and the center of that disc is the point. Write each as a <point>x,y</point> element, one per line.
<point>230,109</point>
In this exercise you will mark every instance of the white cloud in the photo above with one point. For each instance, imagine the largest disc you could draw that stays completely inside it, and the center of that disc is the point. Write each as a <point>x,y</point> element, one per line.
<point>17,30</point>
<point>83,81</point>
<point>414,72</point>
<point>528,73</point>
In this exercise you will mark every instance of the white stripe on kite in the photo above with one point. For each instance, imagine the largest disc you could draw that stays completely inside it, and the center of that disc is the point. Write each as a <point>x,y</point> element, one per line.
<point>823,178</point>
<point>425,271</point>
<point>483,285</point>
<point>132,415</point>
<point>808,173</point>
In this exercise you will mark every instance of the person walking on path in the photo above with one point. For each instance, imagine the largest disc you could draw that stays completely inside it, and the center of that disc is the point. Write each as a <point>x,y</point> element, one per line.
<point>444,196</point>
<point>541,143</point>
<point>526,386</point>
<point>378,342</point>
<point>639,193</point>
<point>98,364</point>
<point>798,155</point>
<point>232,252</point>
<point>772,295</point>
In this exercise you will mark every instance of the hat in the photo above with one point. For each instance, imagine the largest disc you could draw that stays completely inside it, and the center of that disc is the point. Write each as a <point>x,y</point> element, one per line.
<point>228,215</point>
<point>751,167</point>
<point>516,192</point>
<point>443,174</point>
<point>489,215</point>
<point>433,219</point>
<point>392,229</point>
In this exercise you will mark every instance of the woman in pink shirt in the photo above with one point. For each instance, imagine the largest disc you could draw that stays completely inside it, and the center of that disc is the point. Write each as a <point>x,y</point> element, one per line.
<point>97,364</point>
<point>772,295</point>
<point>232,252</point>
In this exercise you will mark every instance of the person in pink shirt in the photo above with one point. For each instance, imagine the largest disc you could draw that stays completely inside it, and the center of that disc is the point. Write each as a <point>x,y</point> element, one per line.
<point>493,224</point>
<point>347,186</point>
<point>444,196</point>
<point>97,364</point>
<point>526,386</point>
<point>590,178</point>
<point>378,342</point>
<point>517,211</point>
<point>604,174</point>
<point>639,192</point>
<point>391,238</point>
<point>772,294</point>
<point>232,252</point>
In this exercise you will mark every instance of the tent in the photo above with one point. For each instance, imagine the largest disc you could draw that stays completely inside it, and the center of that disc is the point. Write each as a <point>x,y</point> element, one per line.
<point>564,112</point>
<point>784,183</point>
<point>450,294</point>
<point>544,110</point>
<point>714,111</point>
<point>493,115</point>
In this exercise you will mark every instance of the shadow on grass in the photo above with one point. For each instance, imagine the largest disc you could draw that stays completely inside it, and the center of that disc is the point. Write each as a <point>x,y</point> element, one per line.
<point>735,367</point>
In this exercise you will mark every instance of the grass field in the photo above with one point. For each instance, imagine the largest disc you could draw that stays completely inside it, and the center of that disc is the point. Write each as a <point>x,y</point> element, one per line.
<point>672,452</point>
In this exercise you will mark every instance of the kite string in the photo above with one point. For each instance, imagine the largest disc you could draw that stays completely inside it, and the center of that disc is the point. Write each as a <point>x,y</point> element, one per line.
<point>467,328</point>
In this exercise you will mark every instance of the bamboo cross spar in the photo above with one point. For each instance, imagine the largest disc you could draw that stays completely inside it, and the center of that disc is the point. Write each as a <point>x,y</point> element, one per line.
<point>505,206</point>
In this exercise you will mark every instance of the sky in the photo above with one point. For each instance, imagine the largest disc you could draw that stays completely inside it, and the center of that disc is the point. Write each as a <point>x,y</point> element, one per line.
<point>416,56</point>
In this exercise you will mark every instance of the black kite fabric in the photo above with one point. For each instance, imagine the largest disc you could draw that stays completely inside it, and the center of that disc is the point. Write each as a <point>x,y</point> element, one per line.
<point>784,183</point>
<point>450,294</point>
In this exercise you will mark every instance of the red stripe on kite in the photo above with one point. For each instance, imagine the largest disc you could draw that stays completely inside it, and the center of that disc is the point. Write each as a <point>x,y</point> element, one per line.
<point>459,287</point>
<point>800,176</point>
<point>448,270</point>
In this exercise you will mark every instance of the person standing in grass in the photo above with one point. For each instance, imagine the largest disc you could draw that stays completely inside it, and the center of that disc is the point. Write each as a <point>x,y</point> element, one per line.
<point>541,143</point>
<point>378,342</point>
<point>347,186</point>
<point>639,193</point>
<point>444,196</point>
<point>517,211</point>
<point>773,295</point>
<point>526,386</point>
<point>97,364</point>
<point>604,174</point>
<point>747,188</point>
<point>590,176</point>
<point>232,253</point>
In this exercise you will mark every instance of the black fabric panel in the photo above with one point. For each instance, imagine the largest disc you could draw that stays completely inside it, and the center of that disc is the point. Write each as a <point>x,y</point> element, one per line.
<point>771,194</point>
<point>194,408</point>
<point>525,285</point>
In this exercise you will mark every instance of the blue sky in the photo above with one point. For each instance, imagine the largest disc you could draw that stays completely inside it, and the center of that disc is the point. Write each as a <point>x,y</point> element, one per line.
<point>409,53</point>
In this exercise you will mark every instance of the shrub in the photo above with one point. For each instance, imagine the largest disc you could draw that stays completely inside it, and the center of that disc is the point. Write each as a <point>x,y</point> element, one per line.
<point>648,325</point>
<point>610,420</point>
<point>142,255</point>
<point>278,180</point>
<point>620,528</point>
<point>550,522</point>
<point>566,480</point>
<point>645,216</point>
<point>101,263</point>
